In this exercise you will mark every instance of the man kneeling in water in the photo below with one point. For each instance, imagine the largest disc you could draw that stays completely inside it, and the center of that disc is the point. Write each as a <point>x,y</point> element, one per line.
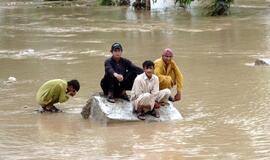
<point>54,91</point>
<point>145,93</point>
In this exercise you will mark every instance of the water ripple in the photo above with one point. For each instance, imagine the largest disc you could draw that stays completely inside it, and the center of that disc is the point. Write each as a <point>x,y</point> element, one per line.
<point>51,54</point>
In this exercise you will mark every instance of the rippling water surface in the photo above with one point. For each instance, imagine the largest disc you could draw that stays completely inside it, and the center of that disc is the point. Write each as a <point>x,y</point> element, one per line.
<point>225,101</point>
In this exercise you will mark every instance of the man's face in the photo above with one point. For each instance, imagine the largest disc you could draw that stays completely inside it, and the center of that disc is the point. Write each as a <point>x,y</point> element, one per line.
<point>167,59</point>
<point>117,53</point>
<point>149,71</point>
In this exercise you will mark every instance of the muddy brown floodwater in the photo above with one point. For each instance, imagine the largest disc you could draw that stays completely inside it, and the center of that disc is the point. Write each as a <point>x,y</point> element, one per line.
<point>225,102</point>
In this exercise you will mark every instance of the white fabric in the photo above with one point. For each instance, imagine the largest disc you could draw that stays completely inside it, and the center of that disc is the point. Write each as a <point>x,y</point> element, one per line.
<point>145,91</point>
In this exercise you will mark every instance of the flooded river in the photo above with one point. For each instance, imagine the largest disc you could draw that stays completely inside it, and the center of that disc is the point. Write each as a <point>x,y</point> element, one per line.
<point>225,101</point>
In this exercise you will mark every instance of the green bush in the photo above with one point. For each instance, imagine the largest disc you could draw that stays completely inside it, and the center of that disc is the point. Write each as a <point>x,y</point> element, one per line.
<point>213,7</point>
<point>105,2</point>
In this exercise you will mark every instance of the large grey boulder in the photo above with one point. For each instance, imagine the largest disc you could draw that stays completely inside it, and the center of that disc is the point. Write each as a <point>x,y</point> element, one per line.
<point>102,111</point>
<point>262,61</point>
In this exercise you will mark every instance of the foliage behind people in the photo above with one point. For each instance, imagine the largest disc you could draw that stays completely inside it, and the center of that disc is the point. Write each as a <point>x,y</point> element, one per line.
<point>213,7</point>
<point>114,2</point>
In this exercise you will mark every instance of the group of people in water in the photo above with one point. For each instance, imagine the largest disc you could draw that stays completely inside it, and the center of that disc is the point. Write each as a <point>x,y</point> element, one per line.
<point>150,85</point>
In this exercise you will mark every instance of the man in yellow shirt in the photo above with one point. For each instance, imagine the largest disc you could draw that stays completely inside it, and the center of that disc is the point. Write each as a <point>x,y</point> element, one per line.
<point>169,73</point>
<point>54,91</point>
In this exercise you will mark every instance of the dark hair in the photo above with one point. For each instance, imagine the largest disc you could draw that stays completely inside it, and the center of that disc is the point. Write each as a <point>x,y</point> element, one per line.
<point>148,64</point>
<point>75,84</point>
<point>116,46</point>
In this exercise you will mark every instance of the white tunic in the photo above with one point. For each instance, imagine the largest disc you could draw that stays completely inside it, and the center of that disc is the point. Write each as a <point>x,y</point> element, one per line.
<point>145,91</point>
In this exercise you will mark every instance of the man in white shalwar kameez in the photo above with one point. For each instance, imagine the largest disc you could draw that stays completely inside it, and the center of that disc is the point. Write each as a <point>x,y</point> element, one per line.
<point>145,93</point>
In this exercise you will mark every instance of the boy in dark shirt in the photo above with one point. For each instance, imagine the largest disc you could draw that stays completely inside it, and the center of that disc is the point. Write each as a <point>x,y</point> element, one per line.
<point>119,75</point>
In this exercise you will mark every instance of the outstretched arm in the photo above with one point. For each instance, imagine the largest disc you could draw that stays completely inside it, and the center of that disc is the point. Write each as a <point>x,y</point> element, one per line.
<point>136,69</point>
<point>109,68</point>
<point>110,71</point>
<point>62,93</point>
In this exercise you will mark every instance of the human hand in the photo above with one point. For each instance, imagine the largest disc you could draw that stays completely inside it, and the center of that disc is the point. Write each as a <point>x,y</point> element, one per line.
<point>157,105</point>
<point>177,97</point>
<point>71,93</point>
<point>119,77</point>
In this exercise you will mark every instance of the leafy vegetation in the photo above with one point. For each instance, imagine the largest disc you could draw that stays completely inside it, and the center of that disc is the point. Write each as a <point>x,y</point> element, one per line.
<point>213,7</point>
<point>183,3</point>
<point>105,2</point>
<point>113,2</point>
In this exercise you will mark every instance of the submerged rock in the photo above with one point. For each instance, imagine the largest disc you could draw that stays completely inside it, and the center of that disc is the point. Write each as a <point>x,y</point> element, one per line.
<point>100,110</point>
<point>262,61</point>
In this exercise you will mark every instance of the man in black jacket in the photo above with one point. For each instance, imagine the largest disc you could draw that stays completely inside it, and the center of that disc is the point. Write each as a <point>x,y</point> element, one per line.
<point>119,75</point>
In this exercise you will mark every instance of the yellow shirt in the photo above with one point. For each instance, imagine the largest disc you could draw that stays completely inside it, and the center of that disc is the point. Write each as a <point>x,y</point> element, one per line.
<point>52,91</point>
<point>168,76</point>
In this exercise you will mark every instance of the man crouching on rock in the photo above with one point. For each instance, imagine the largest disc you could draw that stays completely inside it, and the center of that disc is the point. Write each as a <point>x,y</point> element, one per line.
<point>145,94</point>
<point>54,91</point>
<point>119,75</point>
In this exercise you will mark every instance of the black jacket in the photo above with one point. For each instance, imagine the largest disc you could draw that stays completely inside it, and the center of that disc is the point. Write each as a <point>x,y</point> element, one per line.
<point>123,67</point>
